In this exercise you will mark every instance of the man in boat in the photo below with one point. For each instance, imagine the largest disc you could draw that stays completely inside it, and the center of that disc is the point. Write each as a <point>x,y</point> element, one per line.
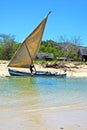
<point>31,68</point>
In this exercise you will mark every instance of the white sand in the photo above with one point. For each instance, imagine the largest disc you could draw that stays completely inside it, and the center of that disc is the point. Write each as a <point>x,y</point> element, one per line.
<point>67,118</point>
<point>72,71</point>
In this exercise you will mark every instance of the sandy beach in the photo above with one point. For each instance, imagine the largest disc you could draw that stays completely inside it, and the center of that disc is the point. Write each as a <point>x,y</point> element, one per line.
<point>44,119</point>
<point>72,117</point>
<point>72,70</point>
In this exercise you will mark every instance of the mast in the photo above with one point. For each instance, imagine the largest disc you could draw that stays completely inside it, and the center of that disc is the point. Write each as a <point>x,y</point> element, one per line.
<point>30,56</point>
<point>49,13</point>
<point>28,49</point>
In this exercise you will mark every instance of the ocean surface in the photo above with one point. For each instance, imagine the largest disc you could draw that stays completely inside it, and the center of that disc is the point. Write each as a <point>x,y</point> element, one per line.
<point>22,95</point>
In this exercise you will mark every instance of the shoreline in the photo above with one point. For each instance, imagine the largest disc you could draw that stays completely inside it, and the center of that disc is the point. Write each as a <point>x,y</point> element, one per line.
<point>69,117</point>
<point>71,70</point>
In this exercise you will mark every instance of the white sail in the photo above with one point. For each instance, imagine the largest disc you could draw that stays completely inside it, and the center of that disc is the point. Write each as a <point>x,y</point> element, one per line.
<point>28,49</point>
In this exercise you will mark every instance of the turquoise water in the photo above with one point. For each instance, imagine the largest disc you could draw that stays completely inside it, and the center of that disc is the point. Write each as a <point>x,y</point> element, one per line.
<point>42,92</point>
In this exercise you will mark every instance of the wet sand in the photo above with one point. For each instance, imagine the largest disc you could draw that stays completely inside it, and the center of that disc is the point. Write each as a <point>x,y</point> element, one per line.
<point>66,118</point>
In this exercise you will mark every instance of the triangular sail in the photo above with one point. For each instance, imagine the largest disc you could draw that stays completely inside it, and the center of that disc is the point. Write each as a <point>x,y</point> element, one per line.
<point>28,49</point>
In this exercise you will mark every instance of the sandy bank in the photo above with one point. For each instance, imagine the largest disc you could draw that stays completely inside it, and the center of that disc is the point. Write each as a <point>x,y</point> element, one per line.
<point>71,70</point>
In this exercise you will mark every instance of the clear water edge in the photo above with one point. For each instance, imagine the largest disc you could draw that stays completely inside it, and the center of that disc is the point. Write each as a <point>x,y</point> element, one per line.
<point>38,93</point>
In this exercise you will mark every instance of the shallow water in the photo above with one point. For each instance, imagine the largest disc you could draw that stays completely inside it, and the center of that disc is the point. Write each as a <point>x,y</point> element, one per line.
<point>42,92</point>
<point>23,101</point>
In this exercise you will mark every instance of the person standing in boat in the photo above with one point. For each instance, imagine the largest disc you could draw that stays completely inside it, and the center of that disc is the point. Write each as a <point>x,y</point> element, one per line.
<point>32,68</point>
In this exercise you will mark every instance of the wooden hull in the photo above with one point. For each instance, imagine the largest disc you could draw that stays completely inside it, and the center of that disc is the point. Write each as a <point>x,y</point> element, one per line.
<point>37,74</point>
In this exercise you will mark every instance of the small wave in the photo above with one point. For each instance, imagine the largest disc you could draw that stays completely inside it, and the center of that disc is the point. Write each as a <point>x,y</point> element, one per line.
<point>57,107</point>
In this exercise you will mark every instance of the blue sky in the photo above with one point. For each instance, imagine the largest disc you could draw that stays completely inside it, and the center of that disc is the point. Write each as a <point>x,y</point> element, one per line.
<point>68,18</point>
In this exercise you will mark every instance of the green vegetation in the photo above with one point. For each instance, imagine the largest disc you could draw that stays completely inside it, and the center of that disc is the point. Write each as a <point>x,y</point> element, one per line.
<point>60,49</point>
<point>8,46</point>
<point>64,48</point>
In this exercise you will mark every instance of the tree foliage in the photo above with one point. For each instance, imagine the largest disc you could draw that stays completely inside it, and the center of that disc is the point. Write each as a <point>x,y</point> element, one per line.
<point>60,49</point>
<point>63,48</point>
<point>8,46</point>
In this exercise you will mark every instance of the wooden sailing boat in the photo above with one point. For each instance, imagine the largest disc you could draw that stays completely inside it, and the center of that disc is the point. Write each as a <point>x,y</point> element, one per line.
<point>27,52</point>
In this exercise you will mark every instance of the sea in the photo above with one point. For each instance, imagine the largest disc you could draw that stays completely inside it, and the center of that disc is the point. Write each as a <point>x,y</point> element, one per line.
<point>20,96</point>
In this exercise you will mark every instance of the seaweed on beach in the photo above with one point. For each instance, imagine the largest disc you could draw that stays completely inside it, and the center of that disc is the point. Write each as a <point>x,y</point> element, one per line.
<point>59,65</point>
